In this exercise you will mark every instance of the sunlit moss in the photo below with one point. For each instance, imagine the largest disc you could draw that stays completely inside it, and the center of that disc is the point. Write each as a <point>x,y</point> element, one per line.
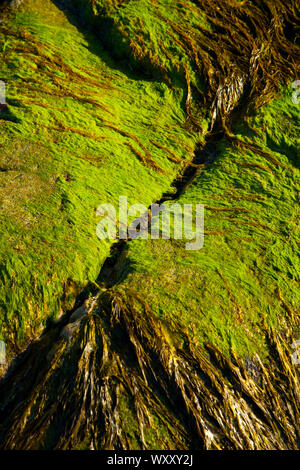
<point>70,141</point>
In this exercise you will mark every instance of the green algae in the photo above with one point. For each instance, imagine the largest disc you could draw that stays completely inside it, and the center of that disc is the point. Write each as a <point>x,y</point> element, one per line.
<point>247,274</point>
<point>74,114</point>
<point>179,349</point>
<point>226,53</point>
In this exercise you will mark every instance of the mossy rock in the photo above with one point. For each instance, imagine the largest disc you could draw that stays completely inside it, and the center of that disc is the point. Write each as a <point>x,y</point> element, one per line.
<point>143,344</point>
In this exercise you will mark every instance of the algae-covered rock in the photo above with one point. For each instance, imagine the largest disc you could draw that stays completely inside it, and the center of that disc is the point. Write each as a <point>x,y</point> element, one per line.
<point>146,344</point>
<point>77,132</point>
